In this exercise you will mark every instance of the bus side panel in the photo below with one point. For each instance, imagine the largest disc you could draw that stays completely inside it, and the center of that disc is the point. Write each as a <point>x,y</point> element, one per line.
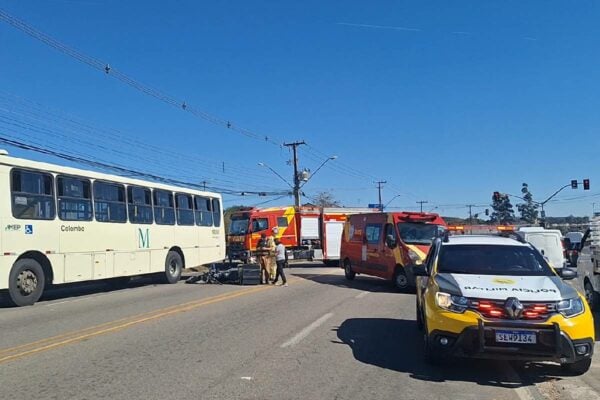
<point>186,238</point>
<point>161,239</point>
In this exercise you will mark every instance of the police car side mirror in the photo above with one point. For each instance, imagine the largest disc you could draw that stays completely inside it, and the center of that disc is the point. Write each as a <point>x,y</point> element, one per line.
<point>419,270</point>
<point>567,273</point>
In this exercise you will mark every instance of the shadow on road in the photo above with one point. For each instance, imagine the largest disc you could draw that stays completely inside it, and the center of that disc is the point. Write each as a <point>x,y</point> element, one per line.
<point>395,344</point>
<point>363,283</point>
<point>74,290</point>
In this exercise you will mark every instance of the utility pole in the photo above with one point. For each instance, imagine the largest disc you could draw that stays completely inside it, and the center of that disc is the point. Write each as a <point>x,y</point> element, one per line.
<point>470,217</point>
<point>204,184</point>
<point>379,187</point>
<point>421,203</point>
<point>296,188</point>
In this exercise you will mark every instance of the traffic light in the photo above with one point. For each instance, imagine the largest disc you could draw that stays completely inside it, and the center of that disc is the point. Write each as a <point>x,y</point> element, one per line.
<point>586,184</point>
<point>496,196</point>
<point>574,184</point>
<point>487,211</point>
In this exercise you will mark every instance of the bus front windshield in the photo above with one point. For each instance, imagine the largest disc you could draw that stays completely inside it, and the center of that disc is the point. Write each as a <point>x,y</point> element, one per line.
<point>419,233</point>
<point>239,225</point>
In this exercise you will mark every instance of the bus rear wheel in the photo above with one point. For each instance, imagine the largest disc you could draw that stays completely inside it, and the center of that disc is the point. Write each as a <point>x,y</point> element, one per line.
<point>173,267</point>
<point>26,282</point>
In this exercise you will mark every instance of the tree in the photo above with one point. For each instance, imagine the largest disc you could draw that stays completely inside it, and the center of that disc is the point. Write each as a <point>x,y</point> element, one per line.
<point>528,209</point>
<point>503,210</point>
<point>326,199</point>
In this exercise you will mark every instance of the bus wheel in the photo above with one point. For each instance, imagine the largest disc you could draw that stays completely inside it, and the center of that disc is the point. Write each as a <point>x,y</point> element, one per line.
<point>26,282</point>
<point>348,270</point>
<point>400,280</point>
<point>173,267</point>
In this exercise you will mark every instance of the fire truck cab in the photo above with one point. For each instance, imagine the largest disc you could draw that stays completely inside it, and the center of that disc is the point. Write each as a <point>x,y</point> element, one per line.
<point>310,233</point>
<point>386,245</point>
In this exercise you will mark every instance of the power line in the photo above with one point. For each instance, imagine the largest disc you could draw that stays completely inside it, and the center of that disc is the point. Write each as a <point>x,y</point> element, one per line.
<point>115,73</point>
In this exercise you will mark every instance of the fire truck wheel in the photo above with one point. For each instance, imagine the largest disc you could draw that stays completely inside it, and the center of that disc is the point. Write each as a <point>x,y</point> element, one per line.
<point>400,280</point>
<point>173,267</point>
<point>348,270</point>
<point>591,296</point>
<point>26,282</point>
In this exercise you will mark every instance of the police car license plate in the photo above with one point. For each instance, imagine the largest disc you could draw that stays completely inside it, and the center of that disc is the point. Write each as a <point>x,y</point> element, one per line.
<point>516,337</point>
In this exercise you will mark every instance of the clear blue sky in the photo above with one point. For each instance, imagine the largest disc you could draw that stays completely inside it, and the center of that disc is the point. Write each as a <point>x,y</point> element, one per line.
<point>447,101</point>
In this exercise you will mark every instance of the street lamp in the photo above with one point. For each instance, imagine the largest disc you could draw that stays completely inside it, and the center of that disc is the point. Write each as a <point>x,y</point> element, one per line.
<point>262,164</point>
<point>320,166</point>
<point>388,203</point>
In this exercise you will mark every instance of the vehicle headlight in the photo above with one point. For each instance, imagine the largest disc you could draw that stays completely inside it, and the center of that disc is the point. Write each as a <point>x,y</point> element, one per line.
<point>571,307</point>
<point>414,257</point>
<point>457,304</point>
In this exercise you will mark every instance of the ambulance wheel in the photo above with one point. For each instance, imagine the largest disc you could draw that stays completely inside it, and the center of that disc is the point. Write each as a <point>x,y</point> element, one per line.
<point>400,280</point>
<point>350,275</point>
<point>579,367</point>
<point>26,282</point>
<point>590,295</point>
<point>173,267</point>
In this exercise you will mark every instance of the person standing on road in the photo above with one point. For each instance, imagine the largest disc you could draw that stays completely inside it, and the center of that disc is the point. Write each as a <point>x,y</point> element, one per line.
<point>280,259</point>
<point>264,258</point>
<point>271,246</point>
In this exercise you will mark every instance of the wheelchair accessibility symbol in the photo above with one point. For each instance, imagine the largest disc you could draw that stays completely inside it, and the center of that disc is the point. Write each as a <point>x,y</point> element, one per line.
<point>29,229</point>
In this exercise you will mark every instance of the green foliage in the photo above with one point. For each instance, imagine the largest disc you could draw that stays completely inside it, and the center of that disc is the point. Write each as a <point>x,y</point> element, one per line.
<point>325,199</point>
<point>503,212</point>
<point>528,209</point>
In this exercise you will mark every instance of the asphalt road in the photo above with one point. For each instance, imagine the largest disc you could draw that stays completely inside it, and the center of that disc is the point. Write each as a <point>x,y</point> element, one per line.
<point>320,338</point>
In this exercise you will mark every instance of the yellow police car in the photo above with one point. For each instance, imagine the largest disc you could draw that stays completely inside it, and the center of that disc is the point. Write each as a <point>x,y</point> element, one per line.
<point>497,297</point>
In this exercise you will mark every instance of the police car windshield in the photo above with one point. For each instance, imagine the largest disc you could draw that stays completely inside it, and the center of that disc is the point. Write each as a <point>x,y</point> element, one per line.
<point>238,226</point>
<point>418,233</point>
<point>492,260</point>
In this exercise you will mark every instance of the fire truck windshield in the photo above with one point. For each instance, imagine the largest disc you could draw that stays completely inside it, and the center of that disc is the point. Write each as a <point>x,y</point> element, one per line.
<point>238,226</point>
<point>418,233</point>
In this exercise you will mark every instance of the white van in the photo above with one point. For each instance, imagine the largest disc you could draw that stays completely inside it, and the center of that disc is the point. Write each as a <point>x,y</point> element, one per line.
<point>548,242</point>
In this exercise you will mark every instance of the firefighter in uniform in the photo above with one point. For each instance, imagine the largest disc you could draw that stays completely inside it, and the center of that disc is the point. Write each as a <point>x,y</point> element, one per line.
<point>272,263</point>
<point>262,251</point>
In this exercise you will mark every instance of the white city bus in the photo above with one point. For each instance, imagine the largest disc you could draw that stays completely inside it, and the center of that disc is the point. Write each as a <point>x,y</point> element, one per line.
<point>61,225</point>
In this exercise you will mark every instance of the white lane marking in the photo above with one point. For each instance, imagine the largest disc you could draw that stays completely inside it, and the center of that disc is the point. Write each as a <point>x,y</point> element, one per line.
<point>246,378</point>
<point>306,331</point>
<point>361,295</point>
<point>523,392</point>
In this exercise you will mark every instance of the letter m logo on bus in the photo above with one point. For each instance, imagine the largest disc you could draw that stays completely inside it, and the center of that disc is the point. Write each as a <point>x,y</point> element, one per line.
<point>143,238</point>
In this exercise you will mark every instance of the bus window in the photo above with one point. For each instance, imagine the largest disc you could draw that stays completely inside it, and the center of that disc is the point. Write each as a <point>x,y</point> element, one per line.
<point>204,215</point>
<point>32,195</point>
<point>74,198</point>
<point>140,205</point>
<point>185,211</point>
<point>164,212</point>
<point>109,202</point>
<point>216,207</point>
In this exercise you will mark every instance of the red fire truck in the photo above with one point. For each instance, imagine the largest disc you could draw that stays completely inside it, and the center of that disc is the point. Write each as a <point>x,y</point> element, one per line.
<point>311,233</point>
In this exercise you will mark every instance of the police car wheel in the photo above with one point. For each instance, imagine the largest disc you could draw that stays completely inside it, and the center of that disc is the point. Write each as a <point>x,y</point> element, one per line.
<point>26,282</point>
<point>591,296</point>
<point>431,357</point>
<point>419,318</point>
<point>173,267</point>
<point>579,367</point>
<point>350,275</point>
